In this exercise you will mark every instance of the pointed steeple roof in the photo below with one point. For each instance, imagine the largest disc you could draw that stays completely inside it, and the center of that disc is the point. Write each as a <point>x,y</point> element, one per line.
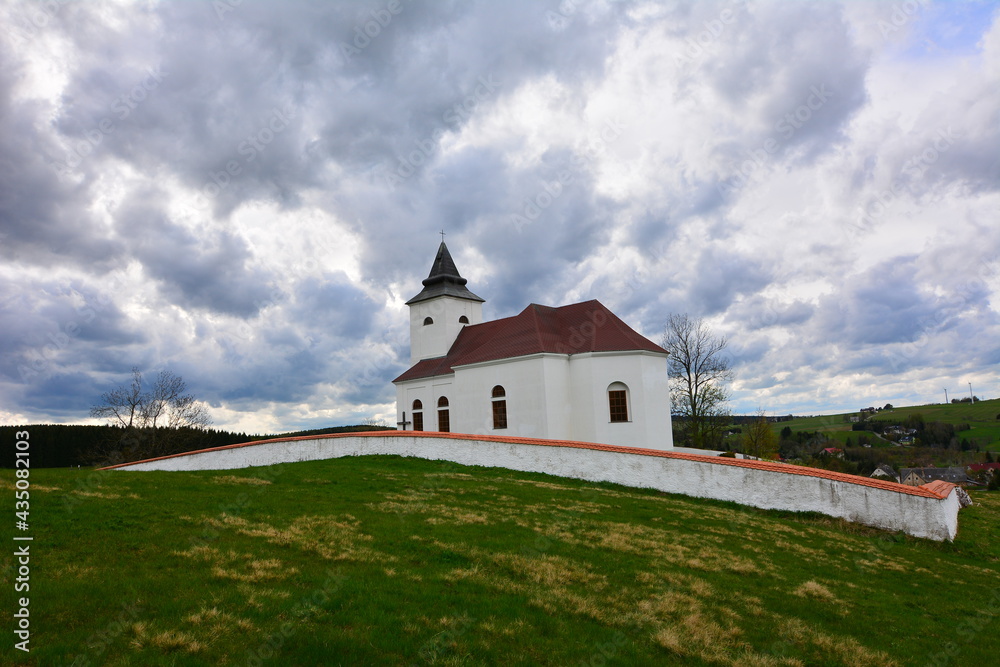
<point>444,280</point>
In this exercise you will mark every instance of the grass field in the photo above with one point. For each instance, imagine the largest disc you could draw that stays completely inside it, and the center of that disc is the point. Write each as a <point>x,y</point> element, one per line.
<point>980,416</point>
<point>395,561</point>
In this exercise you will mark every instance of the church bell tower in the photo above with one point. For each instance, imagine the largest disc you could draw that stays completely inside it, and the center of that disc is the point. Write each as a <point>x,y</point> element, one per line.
<point>441,309</point>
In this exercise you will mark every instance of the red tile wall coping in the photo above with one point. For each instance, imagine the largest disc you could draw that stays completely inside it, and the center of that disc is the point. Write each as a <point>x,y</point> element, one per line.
<point>938,489</point>
<point>939,486</point>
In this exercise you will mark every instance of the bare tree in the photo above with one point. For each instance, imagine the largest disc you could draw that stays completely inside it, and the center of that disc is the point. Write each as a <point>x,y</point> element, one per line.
<point>698,373</point>
<point>758,439</point>
<point>123,405</point>
<point>153,422</point>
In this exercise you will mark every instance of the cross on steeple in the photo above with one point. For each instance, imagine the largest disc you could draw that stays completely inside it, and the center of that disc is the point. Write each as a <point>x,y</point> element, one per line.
<point>442,235</point>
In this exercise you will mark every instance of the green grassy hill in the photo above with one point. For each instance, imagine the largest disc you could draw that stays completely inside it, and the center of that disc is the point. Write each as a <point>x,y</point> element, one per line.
<point>980,416</point>
<point>394,561</point>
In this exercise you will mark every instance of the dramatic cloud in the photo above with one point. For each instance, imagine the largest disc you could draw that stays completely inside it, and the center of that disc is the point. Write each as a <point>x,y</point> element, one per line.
<point>246,193</point>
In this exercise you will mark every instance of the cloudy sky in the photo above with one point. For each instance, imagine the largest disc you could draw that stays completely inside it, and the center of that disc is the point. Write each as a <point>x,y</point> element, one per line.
<point>246,192</point>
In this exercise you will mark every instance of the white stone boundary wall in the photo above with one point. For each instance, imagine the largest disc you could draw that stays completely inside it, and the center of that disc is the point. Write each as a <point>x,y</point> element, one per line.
<point>917,511</point>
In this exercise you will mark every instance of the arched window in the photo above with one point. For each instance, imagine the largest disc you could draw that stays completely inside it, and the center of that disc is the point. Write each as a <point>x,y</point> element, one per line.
<point>618,401</point>
<point>428,320</point>
<point>418,415</point>
<point>463,320</point>
<point>499,407</point>
<point>444,424</point>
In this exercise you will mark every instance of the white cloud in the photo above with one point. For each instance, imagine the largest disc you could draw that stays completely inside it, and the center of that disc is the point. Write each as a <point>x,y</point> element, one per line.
<point>822,186</point>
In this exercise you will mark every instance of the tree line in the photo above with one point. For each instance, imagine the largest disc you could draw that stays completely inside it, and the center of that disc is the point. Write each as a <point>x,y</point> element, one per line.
<point>70,445</point>
<point>144,420</point>
<point>64,445</point>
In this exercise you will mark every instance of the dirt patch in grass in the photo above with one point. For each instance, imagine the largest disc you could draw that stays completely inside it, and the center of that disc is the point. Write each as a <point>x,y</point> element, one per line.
<point>238,567</point>
<point>456,516</point>
<point>815,591</point>
<point>74,571</point>
<point>215,623</point>
<point>167,641</point>
<point>233,479</point>
<point>434,513</point>
<point>520,571</point>
<point>535,483</point>
<point>843,650</point>
<point>809,553</point>
<point>449,475</point>
<point>102,496</point>
<point>8,485</point>
<point>697,551</point>
<point>254,571</point>
<point>331,537</point>
<point>258,596</point>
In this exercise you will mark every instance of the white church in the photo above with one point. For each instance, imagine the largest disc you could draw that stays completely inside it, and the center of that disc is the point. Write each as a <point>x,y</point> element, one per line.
<point>576,372</point>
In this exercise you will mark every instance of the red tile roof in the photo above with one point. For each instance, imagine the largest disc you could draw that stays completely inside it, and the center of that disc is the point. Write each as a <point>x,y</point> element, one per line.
<point>938,490</point>
<point>581,327</point>
<point>940,487</point>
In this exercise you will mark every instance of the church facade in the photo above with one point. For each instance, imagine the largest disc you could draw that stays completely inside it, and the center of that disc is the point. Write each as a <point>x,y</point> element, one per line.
<point>575,372</point>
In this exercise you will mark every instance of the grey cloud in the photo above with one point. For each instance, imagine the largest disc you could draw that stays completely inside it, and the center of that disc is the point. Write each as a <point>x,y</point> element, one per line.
<point>721,276</point>
<point>252,338</point>
<point>208,271</point>
<point>333,306</point>
<point>798,71</point>
<point>758,312</point>
<point>880,306</point>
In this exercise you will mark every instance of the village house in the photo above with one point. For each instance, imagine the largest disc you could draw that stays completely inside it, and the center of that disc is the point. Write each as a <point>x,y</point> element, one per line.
<point>920,476</point>
<point>885,471</point>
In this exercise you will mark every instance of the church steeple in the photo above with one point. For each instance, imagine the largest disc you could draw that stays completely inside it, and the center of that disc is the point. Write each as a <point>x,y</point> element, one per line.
<point>441,309</point>
<point>444,280</point>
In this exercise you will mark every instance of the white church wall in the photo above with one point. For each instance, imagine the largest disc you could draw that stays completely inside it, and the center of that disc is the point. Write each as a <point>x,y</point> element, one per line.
<point>408,393</point>
<point>655,402</point>
<point>645,375</point>
<point>524,383</point>
<point>556,386</point>
<point>896,508</point>
<point>440,388</point>
<point>552,396</point>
